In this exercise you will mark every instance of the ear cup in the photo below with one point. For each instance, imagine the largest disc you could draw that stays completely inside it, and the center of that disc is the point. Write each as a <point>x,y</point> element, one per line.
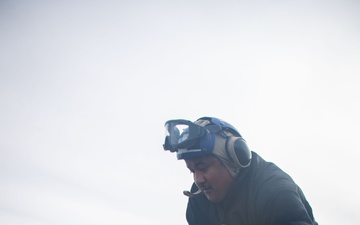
<point>238,151</point>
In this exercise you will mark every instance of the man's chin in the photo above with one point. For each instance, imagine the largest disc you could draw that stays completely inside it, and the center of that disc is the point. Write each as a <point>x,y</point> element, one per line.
<point>213,198</point>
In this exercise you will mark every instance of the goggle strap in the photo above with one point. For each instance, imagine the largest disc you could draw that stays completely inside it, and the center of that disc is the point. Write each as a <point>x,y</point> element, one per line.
<point>213,128</point>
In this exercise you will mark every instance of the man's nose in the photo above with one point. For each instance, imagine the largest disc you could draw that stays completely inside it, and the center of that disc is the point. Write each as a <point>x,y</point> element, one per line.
<point>199,177</point>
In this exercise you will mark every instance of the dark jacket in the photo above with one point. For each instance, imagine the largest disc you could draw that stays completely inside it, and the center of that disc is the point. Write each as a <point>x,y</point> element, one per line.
<point>262,194</point>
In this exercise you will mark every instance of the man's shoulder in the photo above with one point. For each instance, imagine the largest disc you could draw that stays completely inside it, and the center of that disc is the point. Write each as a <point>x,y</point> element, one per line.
<point>268,171</point>
<point>265,178</point>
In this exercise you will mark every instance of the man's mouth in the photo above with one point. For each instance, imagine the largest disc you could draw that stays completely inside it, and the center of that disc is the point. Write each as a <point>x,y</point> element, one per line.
<point>206,189</point>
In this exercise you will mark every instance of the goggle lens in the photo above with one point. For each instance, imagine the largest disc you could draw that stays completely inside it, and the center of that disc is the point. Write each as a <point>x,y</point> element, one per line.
<point>177,133</point>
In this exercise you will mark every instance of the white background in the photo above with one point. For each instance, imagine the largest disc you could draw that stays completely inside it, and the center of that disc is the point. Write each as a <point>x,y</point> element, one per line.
<point>86,87</point>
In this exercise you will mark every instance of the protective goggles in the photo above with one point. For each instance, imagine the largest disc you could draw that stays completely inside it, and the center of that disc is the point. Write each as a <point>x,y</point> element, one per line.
<point>189,140</point>
<point>182,134</point>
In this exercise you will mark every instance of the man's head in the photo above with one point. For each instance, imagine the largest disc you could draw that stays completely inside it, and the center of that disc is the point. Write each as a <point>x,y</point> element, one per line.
<point>211,176</point>
<point>213,149</point>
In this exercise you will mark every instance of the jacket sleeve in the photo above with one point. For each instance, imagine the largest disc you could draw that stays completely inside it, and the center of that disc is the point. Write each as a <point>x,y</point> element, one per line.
<point>288,206</point>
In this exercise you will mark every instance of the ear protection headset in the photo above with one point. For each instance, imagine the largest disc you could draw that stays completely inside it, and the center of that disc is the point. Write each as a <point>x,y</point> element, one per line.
<point>238,151</point>
<point>236,148</point>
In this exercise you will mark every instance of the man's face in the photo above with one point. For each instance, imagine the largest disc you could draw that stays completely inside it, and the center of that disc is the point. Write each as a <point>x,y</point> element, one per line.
<point>211,176</point>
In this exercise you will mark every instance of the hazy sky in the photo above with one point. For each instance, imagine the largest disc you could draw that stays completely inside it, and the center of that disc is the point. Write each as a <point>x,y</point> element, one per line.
<point>86,87</point>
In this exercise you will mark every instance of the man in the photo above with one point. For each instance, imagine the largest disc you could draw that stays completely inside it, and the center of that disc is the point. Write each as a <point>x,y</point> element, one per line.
<point>233,185</point>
